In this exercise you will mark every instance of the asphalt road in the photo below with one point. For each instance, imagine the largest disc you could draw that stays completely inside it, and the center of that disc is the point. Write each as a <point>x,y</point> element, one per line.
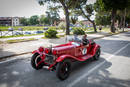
<point>111,70</point>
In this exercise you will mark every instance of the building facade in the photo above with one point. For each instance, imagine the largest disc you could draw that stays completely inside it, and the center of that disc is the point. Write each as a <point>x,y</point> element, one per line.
<point>10,21</point>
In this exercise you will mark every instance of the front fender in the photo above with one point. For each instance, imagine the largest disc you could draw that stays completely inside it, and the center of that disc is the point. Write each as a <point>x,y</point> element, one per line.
<point>42,55</point>
<point>36,51</point>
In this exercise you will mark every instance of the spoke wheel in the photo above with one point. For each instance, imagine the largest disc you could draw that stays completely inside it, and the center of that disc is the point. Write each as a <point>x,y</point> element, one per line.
<point>35,60</point>
<point>63,69</point>
<point>97,54</point>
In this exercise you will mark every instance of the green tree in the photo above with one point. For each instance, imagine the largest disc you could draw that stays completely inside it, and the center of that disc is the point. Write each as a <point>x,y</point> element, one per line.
<point>24,21</point>
<point>34,20</point>
<point>86,11</point>
<point>104,19</point>
<point>66,5</point>
<point>74,19</point>
<point>111,6</point>
<point>42,19</point>
<point>53,16</point>
<point>62,25</point>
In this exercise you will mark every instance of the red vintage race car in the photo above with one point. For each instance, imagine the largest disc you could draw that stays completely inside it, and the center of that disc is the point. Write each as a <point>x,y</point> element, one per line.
<point>59,58</point>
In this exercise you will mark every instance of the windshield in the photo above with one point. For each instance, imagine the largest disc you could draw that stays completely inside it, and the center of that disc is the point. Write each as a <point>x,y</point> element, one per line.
<point>75,43</point>
<point>74,38</point>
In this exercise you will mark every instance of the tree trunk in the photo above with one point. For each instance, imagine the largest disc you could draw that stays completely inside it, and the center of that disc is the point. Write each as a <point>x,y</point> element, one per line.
<point>124,20</point>
<point>66,17</point>
<point>113,20</point>
<point>67,22</point>
<point>121,21</point>
<point>94,26</point>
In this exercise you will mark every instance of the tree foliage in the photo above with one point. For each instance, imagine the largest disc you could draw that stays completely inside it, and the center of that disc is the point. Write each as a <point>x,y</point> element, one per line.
<point>78,31</point>
<point>111,6</point>
<point>74,19</point>
<point>34,20</point>
<point>86,10</point>
<point>103,19</point>
<point>24,21</point>
<point>62,25</point>
<point>52,16</point>
<point>66,5</point>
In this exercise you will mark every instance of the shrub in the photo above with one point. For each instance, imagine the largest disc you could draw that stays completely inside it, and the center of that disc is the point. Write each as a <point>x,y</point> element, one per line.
<point>51,33</point>
<point>78,31</point>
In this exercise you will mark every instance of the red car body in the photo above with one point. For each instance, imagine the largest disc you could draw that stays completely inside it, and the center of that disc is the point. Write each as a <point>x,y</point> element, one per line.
<point>74,51</point>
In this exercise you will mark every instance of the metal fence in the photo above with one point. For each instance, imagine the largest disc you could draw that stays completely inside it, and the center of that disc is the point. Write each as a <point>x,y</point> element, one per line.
<point>12,32</point>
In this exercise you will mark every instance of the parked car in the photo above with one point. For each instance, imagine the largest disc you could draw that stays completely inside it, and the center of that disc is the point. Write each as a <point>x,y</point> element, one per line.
<point>59,58</point>
<point>27,32</point>
<point>17,33</point>
<point>45,28</point>
<point>39,32</point>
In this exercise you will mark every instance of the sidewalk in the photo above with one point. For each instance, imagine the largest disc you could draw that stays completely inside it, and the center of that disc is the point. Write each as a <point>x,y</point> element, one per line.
<point>8,50</point>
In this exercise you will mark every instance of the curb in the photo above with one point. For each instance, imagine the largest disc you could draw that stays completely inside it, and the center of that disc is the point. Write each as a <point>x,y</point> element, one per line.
<point>13,55</point>
<point>5,57</point>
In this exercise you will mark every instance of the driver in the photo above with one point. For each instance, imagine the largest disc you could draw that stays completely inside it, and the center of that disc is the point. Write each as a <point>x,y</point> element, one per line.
<point>85,41</point>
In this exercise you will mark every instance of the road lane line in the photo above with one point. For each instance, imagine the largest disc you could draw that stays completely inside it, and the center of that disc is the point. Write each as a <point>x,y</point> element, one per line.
<point>90,71</point>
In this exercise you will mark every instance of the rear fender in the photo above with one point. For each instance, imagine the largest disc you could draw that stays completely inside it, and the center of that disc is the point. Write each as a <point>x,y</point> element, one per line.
<point>95,49</point>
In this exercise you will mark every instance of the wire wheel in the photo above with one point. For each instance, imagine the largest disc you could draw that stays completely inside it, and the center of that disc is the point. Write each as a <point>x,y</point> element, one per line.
<point>97,54</point>
<point>63,69</point>
<point>35,60</point>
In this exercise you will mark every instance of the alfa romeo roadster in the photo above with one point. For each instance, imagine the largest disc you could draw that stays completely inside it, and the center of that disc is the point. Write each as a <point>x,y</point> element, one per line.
<point>59,58</point>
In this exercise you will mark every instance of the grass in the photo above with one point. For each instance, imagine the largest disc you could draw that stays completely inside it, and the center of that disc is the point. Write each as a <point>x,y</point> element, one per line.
<point>92,32</point>
<point>26,28</point>
<point>60,36</point>
<point>20,40</point>
<point>88,30</point>
<point>105,29</point>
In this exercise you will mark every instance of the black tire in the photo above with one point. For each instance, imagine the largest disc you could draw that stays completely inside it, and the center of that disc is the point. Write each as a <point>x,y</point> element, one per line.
<point>97,54</point>
<point>63,69</point>
<point>34,60</point>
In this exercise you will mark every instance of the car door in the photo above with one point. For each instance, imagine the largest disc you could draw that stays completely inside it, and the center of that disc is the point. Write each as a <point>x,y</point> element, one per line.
<point>81,50</point>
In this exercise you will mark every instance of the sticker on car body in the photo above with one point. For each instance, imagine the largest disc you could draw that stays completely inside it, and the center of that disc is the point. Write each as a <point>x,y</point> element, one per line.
<point>84,51</point>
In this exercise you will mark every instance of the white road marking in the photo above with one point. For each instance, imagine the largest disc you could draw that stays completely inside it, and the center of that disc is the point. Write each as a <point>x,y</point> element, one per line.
<point>90,71</point>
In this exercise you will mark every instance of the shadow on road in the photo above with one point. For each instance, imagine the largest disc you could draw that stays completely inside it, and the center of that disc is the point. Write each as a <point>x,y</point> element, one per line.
<point>112,46</point>
<point>21,74</point>
<point>127,34</point>
<point>100,77</point>
<point>5,53</point>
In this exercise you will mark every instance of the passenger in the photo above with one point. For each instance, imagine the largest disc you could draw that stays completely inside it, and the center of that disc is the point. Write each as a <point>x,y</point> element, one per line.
<point>85,41</point>
<point>76,39</point>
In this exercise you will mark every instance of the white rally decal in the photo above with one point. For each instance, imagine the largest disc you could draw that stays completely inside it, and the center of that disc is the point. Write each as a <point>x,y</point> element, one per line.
<point>84,51</point>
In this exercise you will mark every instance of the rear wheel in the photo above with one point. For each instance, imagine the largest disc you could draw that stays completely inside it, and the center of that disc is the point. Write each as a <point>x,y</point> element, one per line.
<point>35,60</point>
<point>63,69</point>
<point>97,54</point>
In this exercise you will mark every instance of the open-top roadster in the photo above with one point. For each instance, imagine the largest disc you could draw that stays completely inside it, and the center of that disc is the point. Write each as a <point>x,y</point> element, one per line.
<point>59,58</point>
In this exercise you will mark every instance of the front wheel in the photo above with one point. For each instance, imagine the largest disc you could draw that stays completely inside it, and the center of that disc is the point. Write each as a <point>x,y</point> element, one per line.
<point>35,60</point>
<point>63,69</point>
<point>97,54</point>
